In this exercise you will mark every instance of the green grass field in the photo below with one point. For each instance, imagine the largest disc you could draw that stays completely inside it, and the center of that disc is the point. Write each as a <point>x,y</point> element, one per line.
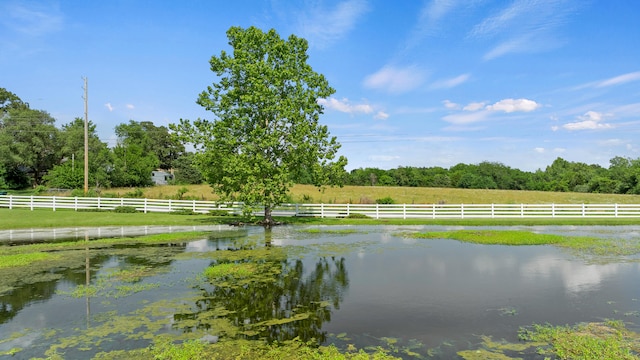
<point>406,195</point>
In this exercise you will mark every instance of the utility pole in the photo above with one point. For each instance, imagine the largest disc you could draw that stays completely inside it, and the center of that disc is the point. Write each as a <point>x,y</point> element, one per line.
<point>86,138</point>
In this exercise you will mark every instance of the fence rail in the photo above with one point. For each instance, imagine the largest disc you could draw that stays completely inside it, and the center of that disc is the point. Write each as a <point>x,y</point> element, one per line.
<point>377,211</point>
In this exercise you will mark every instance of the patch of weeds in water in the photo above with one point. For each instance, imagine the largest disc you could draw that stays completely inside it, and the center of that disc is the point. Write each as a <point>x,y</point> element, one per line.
<point>136,273</point>
<point>105,288</point>
<point>506,311</point>
<point>608,340</point>
<point>337,249</point>
<point>329,231</point>
<point>491,237</point>
<point>234,270</point>
<point>25,259</point>
<point>395,346</point>
<point>581,245</point>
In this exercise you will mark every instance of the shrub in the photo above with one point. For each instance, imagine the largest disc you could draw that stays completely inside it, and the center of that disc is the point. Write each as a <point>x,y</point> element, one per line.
<point>125,209</point>
<point>218,212</point>
<point>385,200</point>
<point>137,193</point>
<point>357,216</point>
<point>183,212</point>
<point>80,193</point>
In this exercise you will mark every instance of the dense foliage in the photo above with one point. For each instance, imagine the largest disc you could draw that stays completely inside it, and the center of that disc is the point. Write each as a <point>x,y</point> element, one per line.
<point>622,177</point>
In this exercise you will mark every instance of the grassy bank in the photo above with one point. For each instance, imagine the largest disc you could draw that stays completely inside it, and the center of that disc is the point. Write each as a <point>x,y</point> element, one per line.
<point>43,218</point>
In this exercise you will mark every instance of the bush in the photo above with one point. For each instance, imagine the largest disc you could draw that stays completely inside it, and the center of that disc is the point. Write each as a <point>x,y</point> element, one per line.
<point>357,216</point>
<point>218,212</point>
<point>80,193</point>
<point>125,209</point>
<point>184,212</point>
<point>385,200</point>
<point>137,193</point>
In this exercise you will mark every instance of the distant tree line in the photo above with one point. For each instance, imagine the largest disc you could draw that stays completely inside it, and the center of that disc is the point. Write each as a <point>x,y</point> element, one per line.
<point>622,177</point>
<point>34,152</point>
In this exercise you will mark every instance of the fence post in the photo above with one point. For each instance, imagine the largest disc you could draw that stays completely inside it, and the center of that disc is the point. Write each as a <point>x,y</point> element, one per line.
<point>98,203</point>
<point>53,202</point>
<point>553,210</point>
<point>616,209</point>
<point>583,211</point>
<point>169,205</point>
<point>492,211</point>
<point>31,203</point>
<point>75,203</point>
<point>433,210</point>
<point>321,211</point>
<point>404,211</point>
<point>348,209</point>
<point>10,202</point>
<point>521,210</point>
<point>461,211</point>
<point>297,207</point>
<point>145,205</point>
<point>377,211</point>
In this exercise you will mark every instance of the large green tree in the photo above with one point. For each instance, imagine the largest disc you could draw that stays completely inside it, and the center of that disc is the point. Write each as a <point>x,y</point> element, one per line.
<point>28,145</point>
<point>267,121</point>
<point>133,156</point>
<point>69,173</point>
<point>167,147</point>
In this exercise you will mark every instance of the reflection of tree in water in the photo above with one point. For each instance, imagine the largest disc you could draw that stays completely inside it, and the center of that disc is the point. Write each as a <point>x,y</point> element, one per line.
<point>39,283</point>
<point>278,302</point>
<point>27,290</point>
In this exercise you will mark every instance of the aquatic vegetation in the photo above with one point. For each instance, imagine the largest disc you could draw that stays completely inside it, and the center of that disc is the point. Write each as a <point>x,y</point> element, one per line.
<point>605,341</point>
<point>491,237</point>
<point>25,259</point>
<point>234,270</point>
<point>329,231</point>
<point>581,245</point>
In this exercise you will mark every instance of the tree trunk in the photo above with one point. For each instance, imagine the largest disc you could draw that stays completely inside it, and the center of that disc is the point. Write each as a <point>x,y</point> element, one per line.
<point>268,220</point>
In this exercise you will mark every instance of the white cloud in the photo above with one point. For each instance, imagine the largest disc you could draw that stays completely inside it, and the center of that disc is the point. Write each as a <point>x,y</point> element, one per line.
<point>450,105</point>
<point>474,106</point>
<point>591,120</point>
<point>513,105</point>
<point>539,150</point>
<point>621,79</point>
<point>345,106</point>
<point>381,115</point>
<point>324,26</point>
<point>524,26</point>
<point>430,15</point>
<point>466,118</point>
<point>395,80</point>
<point>450,83</point>
<point>108,106</point>
<point>130,106</point>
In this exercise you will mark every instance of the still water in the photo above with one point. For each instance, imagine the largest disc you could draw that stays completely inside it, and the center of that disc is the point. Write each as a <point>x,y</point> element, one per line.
<point>366,286</point>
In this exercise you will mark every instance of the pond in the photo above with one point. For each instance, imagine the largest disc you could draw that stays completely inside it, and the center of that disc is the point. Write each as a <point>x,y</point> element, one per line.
<point>362,286</point>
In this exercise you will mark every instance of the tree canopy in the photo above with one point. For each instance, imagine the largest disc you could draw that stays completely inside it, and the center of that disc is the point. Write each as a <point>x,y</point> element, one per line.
<point>266,128</point>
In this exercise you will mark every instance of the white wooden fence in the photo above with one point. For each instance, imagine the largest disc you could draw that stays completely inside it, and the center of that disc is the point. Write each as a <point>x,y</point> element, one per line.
<point>377,211</point>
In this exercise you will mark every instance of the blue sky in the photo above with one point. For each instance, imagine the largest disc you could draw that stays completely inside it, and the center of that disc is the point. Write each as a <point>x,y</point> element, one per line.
<point>418,83</point>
